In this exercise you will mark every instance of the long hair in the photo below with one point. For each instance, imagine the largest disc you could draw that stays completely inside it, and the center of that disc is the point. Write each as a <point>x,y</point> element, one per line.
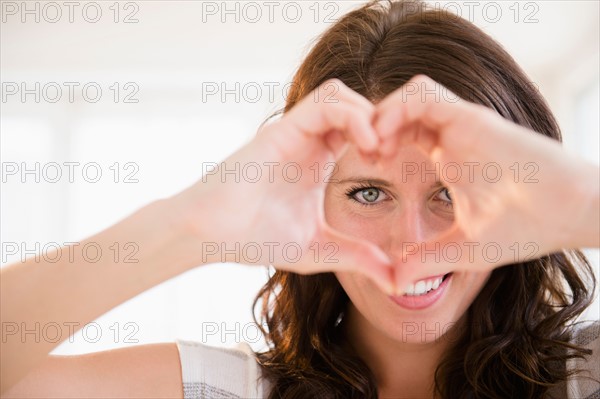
<point>519,327</point>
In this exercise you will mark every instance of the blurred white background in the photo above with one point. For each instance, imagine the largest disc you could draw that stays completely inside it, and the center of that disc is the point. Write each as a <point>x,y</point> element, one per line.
<point>194,81</point>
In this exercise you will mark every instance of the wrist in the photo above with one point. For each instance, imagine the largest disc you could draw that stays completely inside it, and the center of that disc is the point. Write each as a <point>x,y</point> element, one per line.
<point>594,208</point>
<point>586,224</point>
<point>179,246</point>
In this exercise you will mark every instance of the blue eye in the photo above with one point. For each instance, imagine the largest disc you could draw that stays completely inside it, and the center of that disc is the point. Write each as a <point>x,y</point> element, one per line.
<point>370,194</point>
<point>366,195</point>
<point>445,196</point>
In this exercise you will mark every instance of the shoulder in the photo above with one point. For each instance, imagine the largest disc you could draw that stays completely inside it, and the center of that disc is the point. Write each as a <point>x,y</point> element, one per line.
<point>211,372</point>
<point>588,335</point>
<point>587,383</point>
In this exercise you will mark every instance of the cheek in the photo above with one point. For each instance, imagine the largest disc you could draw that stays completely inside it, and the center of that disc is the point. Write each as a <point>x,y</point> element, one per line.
<point>356,287</point>
<point>339,215</point>
<point>472,282</point>
<point>466,287</point>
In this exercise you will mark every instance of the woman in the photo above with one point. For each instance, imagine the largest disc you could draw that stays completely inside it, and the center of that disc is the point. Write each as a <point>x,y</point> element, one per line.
<point>391,293</point>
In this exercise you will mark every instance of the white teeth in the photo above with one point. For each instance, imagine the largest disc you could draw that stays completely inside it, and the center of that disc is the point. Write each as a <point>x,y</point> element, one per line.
<point>423,286</point>
<point>420,287</point>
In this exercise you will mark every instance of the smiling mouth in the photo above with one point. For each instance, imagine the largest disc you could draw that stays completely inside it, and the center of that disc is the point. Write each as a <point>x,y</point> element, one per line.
<point>425,286</point>
<point>424,293</point>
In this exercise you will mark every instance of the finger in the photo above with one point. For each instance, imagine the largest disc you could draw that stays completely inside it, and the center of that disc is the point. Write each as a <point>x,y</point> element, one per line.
<point>423,101</point>
<point>329,113</point>
<point>415,133</point>
<point>345,93</point>
<point>447,253</point>
<point>361,256</point>
<point>337,143</point>
<point>388,146</point>
<point>342,117</point>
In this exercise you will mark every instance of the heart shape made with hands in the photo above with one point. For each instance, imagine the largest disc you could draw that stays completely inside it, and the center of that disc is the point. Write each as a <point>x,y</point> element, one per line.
<point>498,215</point>
<point>473,149</point>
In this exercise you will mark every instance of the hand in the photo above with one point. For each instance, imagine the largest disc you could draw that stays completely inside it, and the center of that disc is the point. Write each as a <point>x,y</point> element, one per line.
<point>518,195</point>
<point>271,211</point>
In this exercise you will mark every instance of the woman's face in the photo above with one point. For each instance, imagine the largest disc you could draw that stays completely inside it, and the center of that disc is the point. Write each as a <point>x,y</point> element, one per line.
<point>391,205</point>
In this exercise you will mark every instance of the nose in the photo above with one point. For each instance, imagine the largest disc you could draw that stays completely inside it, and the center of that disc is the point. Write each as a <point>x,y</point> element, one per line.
<point>410,225</point>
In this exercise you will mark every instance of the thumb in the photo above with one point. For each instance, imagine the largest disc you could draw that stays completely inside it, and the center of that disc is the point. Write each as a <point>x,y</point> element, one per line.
<point>446,253</point>
<point>356,255</point>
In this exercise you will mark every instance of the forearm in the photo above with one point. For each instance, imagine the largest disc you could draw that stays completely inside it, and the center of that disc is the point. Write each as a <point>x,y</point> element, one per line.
<point>77,289</point>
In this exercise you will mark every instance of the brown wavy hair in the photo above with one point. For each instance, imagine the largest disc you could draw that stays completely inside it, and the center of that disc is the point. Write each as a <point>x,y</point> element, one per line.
<point>520,325</point>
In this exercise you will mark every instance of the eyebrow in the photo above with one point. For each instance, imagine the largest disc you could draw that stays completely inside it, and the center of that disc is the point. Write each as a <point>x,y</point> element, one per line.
<point>365,180</point>
<point>373,181</point>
